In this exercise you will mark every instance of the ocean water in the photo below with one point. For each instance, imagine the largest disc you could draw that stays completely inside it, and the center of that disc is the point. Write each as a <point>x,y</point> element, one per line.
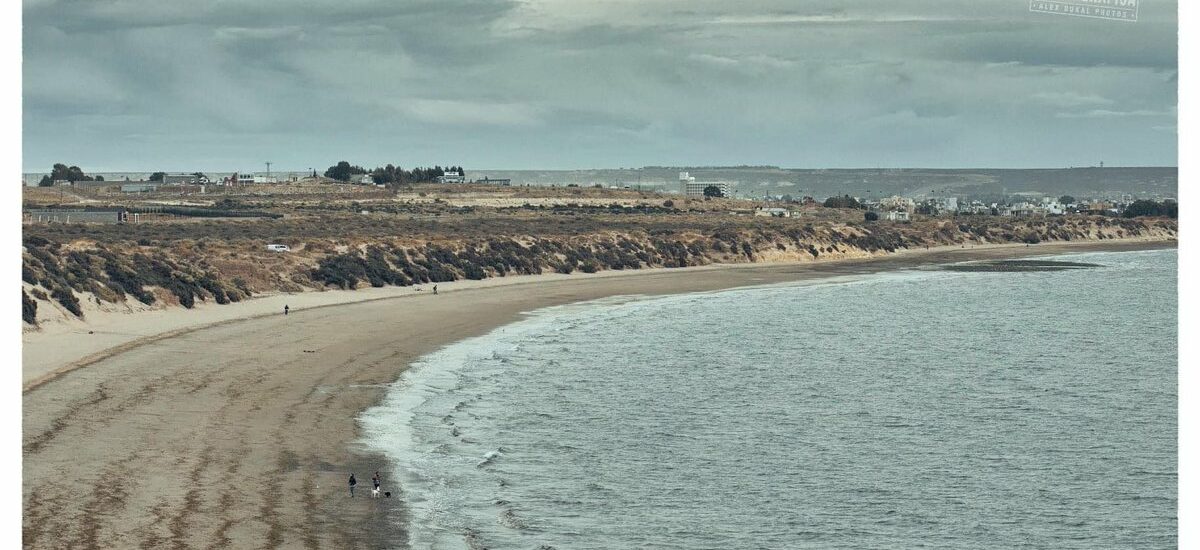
<point>924,408</point>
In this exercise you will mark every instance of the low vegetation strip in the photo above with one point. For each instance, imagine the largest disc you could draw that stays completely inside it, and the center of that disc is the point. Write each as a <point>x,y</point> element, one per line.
<point>208,212</point>
<point>181,211</point>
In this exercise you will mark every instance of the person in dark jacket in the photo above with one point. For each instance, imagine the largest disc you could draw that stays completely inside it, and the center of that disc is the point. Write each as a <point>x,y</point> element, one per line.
<point>353,482</point>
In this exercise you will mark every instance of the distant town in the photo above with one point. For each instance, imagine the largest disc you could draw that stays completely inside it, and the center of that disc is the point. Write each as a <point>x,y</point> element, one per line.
<point>891,195</point>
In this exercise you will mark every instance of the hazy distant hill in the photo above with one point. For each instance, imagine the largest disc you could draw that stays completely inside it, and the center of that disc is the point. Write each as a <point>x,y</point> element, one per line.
<point>756,181</point>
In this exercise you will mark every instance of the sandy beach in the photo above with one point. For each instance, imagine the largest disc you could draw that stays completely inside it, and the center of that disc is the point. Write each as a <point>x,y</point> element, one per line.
<point>235,426</point>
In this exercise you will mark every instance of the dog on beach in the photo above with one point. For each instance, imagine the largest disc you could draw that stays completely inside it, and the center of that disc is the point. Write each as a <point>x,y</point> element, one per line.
<point>375,492</point>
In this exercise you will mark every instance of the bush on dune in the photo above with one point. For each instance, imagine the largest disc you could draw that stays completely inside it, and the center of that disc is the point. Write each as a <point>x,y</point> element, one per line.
<point>28,308</point>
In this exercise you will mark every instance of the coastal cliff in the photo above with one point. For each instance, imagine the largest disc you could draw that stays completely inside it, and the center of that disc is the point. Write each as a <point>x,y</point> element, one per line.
<point>62,271</point>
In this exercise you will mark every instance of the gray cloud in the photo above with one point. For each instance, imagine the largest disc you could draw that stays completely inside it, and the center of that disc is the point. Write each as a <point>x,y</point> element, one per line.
<point>138,84</point>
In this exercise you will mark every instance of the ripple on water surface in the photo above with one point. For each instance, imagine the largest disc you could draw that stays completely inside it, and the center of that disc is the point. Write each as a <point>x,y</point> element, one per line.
<point>978,409</point>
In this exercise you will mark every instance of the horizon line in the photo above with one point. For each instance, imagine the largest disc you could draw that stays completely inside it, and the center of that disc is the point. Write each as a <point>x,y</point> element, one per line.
<point>657,167</point>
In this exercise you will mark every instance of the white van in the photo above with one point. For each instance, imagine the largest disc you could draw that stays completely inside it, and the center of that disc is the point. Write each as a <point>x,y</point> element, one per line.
<point>278,248</point>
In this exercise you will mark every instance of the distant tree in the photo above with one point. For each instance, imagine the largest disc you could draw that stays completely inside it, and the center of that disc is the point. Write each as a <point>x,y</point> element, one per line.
<point>1066,199</point>
<point>59,172</point>
<point>844,201</point>
<point>1151,208</point>
<point>392,175</point>
<point>75,174</point>
<point>99,178</point>
<point>71,174</point>
<point>713,191</point>
<point>870,216</point>
<point>342,171</point>
<point>668,203</point>
<point>339,171</point>
<point>157,176</point>
<point>46,181</point>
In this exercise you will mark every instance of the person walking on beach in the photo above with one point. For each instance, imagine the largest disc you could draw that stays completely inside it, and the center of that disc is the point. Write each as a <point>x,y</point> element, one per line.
<point>435,289</point>
<point>375,480</point>
<point>285,309</point>
<point>353,482</point>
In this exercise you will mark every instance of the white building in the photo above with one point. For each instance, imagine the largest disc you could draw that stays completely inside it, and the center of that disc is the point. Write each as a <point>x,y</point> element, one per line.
<point>1024,209</point>
<point>1052,206</point>
<point>947,204</point>
<point>897,215</point>
<point>138,187</point>
<point>450,177</point>
<point>898,203</point>
<point>692,188</point>
<point>974,207</point>
<point>775,212</point>
<point>184,179</point>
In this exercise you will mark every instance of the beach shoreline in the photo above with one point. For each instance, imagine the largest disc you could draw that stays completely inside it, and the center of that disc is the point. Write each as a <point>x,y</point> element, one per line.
<point>64,343</point>
<point>263,442</point>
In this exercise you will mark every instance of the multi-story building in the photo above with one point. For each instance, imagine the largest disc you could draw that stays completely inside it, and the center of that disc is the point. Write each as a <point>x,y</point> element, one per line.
<point>898,203</point>
<point>238,179</point>
<point>692,188</point>
<point>974,207</point>
<point>1052,207</point>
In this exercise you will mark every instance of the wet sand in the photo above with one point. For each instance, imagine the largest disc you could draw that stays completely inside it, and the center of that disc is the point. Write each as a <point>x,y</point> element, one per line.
<point>242,434</point>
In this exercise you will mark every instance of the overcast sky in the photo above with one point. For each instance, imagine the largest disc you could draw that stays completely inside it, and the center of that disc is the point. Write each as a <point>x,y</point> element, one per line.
<point>148,85</point>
